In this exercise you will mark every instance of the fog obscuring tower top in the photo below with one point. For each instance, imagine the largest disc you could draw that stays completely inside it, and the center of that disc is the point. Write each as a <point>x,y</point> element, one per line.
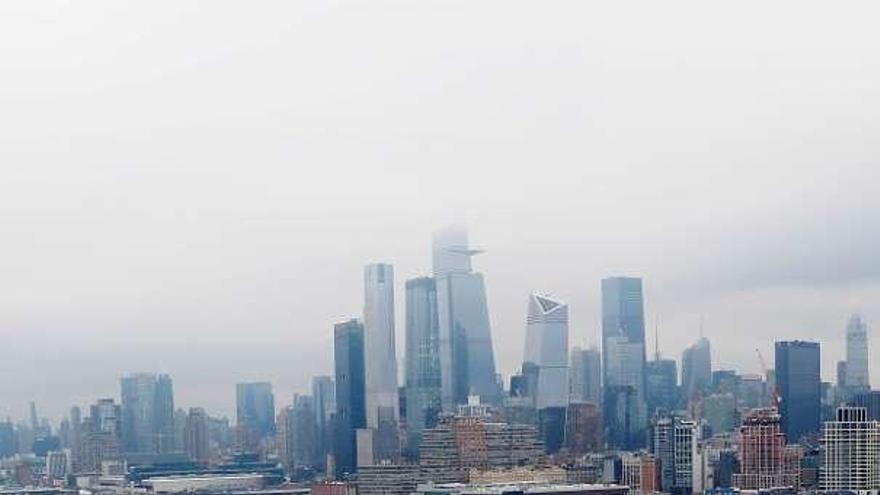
<point>451,253</point>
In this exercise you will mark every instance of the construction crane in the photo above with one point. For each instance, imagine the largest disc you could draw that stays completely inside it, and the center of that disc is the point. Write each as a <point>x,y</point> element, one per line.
<point>775,400</point>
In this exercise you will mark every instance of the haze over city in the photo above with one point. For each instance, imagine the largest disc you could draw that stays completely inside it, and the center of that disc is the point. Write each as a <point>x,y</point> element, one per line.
<point>195,189</point>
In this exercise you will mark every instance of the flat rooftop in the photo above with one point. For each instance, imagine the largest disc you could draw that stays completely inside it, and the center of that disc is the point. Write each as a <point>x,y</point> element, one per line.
<point>525,487</point>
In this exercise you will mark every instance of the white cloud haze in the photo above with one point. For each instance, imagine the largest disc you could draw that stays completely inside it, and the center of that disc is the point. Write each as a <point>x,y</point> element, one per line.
<point>194,187</point>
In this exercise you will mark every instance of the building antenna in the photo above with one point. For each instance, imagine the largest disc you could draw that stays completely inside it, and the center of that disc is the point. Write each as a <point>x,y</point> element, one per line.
<point>701,326</point>
<point>657,339</point>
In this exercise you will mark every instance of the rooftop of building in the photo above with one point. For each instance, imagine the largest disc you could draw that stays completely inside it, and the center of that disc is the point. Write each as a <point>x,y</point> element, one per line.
<point>213,476</point>
<point>35,491</point>
<point>518,487</point>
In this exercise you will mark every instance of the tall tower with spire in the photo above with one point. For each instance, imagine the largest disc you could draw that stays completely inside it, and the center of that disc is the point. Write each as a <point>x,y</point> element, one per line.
<point>696,367</point>
<point>656,342</point>
<point>661,381</point>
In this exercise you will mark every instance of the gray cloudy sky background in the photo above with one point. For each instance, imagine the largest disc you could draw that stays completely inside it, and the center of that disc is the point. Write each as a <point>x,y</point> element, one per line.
<point>193,187</point>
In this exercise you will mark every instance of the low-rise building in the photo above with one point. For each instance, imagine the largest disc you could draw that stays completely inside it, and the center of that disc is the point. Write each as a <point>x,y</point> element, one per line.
<point>640,472</point>
<point>519,488</point>
<point>388,479</point>
<point>209,483</point>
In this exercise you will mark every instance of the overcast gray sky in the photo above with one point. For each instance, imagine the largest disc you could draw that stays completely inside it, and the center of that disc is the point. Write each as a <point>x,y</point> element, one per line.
<point>193,187</point>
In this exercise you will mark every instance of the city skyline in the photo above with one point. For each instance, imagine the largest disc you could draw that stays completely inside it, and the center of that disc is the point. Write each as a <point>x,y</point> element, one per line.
<point>174,187</point>
<point>399,313</point>
<point>439,248</point>
<point>377,429</point>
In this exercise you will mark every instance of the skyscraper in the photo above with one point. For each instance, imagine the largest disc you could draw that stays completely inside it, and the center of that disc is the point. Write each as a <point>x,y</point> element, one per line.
<point>296,440</point>
<point>180,416</point>
<point>547,347</point>
<point>696,369</point>
<point>752,392</point>
<point>76,434</point>
<point>7,439</point>
<point>870,401</point>
<point>798,382</point>
<point>284,426</point>
<point>850,453</point>
<point>467,361</point>
<point>585,377</point>
<point>623,360</point>
<point>725,381</point>
<point>147,413</point>
<point>164,414</point>
<point>255,408</point>
<point>324,396</point>
<point>661,386</point>
<point>856,376</point>
<point>675,444</point>
<point>382,400</point>
<point>423,386</point>
<point>35,422</point>
<point>303,433</point>
<point>101,435</point>
<point>195,434</point>
<point>719,411</point>
<point>348,352</point>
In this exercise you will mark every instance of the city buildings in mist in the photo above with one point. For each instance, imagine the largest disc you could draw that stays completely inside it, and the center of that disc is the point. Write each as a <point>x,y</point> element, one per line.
<point>220,255</point>
<point>565,403</point>
<point>155,197</point>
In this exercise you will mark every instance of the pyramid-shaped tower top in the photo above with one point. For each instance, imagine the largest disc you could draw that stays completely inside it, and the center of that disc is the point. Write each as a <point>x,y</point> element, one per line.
<point>545,305</point>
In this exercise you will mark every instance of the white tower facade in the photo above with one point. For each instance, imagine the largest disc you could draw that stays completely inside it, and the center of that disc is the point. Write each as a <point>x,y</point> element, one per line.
<point>857,354</point>
<point>380,358</point>
<point>547,347</point>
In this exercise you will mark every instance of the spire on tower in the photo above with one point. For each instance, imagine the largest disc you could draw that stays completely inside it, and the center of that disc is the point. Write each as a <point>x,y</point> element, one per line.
<point>657,340</point>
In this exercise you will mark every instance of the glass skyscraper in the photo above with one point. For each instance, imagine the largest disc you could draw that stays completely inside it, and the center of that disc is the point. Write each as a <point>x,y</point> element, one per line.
<point>547,348</point>
<point>423,389</point>
<point>696,369</point>
<point>623,362</point>
<point>255,407</point>
<point>798,382</point>
<point>348,354</point>
<point>324,394</point>
<point>380,362</point>
<point>661,386</point>
<point>467,361</point>
<point>147,413</point>
<point>585,378</point>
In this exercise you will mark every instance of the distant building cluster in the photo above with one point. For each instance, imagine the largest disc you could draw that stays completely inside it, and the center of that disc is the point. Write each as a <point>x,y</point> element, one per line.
<point>572,420</point>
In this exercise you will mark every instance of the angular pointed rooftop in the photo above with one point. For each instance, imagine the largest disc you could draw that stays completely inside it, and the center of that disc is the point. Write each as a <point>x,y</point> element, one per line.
<point>547,304</point>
